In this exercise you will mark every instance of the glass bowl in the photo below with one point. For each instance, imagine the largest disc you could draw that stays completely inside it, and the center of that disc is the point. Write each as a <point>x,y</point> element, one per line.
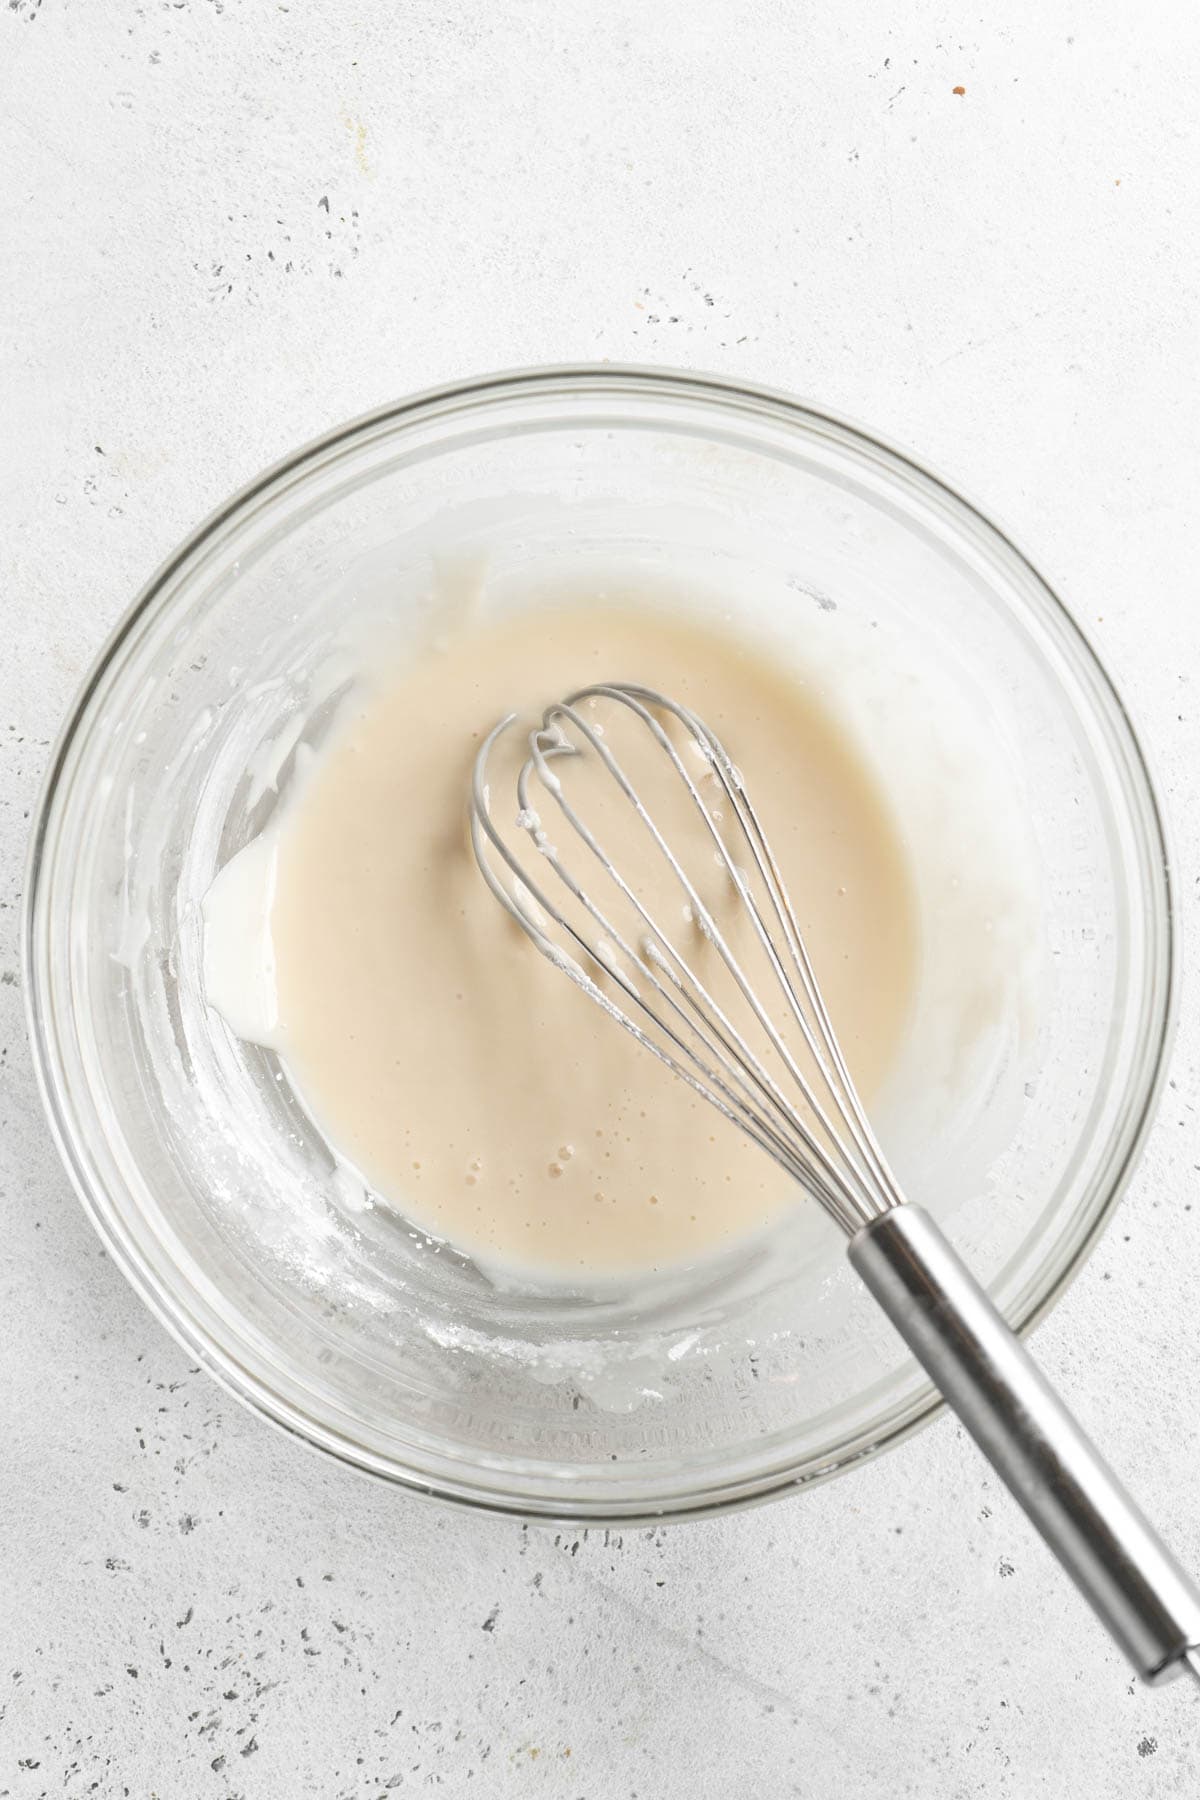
<point>214,1191</point>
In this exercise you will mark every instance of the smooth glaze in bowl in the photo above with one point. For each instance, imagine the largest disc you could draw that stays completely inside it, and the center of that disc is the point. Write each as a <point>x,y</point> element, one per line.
<point>215,1192</point>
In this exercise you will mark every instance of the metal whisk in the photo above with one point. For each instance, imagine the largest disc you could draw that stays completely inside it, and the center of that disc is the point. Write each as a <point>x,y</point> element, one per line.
<point>773,1065</point>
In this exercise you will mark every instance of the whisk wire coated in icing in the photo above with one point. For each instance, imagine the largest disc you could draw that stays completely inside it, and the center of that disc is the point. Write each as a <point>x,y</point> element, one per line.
<point>806,1115</point>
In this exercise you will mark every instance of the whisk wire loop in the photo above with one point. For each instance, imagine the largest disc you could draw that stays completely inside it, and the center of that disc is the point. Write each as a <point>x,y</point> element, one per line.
<point>825,1142</point>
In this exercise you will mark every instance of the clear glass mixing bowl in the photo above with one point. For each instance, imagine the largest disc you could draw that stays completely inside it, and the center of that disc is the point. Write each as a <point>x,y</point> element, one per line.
<point>214,1191</point>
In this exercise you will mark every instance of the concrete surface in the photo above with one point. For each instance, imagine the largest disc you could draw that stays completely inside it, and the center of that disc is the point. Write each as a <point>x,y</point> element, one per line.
<point>229,225</point>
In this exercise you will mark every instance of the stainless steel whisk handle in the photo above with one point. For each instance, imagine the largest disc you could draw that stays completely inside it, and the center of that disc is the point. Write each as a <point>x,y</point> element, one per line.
<point>1116,1559</point>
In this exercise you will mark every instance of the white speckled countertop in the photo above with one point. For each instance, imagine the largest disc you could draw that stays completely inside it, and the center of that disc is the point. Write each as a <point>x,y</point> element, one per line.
<point>228,225</point>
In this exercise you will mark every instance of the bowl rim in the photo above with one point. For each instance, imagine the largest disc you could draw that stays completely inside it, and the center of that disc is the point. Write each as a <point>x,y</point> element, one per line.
<point>718,1494</point>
